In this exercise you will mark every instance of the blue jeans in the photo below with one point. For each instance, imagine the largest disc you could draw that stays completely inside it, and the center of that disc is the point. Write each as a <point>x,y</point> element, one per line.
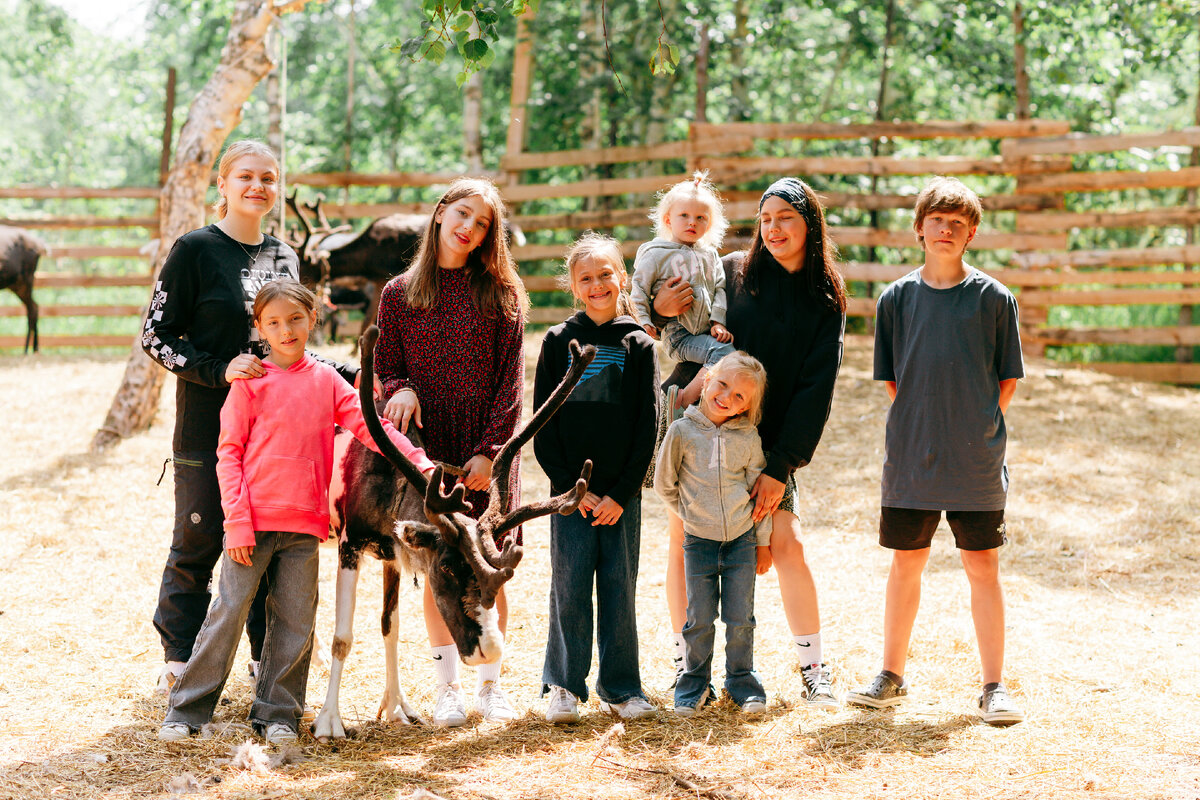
<point>699,348</point>
<point>288,563</point>
<point>719,572</point>
<point>606,556</point>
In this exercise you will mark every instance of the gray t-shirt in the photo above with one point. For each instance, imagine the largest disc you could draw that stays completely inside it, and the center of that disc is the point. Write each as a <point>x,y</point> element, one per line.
<point>947,350</point>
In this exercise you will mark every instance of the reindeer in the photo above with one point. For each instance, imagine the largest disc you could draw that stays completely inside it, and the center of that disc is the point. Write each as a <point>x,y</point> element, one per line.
<point>19,254</point>
<point>388,509</point>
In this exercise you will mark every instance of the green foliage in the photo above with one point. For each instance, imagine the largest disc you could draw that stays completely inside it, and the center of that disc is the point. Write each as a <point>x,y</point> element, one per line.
<point>468,25</point>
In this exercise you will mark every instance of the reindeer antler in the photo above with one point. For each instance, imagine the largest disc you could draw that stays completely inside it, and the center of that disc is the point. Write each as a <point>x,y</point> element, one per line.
<point>300,245</point>
<point>322,220</point>
<point>495,521</point>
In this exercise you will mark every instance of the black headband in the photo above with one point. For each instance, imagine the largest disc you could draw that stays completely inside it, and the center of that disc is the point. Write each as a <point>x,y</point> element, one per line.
<point>791,190</point>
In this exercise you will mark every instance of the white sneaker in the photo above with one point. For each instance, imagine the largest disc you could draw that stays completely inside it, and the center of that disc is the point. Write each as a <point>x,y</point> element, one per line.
<point>563,706</point>
<point>450,711</point>
<point>492,704</point>
<point>173,732</point>
<point>168,675</point>
<point>633,708</point>
<point>280,733</point>
<point>754,706</point>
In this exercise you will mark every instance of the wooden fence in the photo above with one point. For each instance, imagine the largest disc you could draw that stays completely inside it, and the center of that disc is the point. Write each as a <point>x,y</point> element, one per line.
<point>1027,232</point>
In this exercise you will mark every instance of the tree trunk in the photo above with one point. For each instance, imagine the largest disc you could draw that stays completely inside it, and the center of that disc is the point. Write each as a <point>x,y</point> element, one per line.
<point>739,87</point>
<point>214,113</point>
<point>880,103</point>
<point>472,113</point>
<point>1187,313</point>
<point>1020,75</point>
<point>591,63</point>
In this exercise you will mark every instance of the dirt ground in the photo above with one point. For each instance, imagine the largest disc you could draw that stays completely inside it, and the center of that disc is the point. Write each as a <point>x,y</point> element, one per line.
<point>1103,652</point>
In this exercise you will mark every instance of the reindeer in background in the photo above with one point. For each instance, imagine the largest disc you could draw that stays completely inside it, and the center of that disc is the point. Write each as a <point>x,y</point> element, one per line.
<point>385,507</point>
<point>19,254</point>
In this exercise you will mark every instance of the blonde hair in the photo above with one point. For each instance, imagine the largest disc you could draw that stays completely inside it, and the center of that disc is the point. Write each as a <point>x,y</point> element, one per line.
<point>946,194</point>
<point>496,286</point>
<point>698,188</point>
<point>746,365</point>
<point>242,147</point>
<point>600,248</point>
<point>284,289</point>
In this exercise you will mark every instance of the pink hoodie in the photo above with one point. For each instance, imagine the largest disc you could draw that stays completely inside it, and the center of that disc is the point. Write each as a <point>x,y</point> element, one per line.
<point>275,454</point>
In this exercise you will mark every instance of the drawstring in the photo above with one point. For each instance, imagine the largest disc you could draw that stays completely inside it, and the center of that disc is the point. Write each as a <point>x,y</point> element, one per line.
<point>164,472</point>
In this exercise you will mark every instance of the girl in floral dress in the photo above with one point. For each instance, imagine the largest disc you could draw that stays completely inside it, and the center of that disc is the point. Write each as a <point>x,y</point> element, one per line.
<point>451,362</point>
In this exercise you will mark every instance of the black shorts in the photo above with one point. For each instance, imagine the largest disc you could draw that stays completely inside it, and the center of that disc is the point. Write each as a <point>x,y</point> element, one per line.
<point>912,528</point>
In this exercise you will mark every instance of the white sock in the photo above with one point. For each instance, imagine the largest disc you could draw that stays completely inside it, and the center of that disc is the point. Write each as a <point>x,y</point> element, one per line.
<point>489,672</point>
<point>680,650</point>
<point>445,663</point>
<point>808,647</point>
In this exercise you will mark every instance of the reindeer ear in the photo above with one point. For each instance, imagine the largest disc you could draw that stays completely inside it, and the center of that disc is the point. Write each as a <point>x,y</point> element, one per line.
<point>418,535</point>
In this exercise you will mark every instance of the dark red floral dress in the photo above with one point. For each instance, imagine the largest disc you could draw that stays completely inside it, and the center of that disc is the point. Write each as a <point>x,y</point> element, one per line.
<point>468,372</point>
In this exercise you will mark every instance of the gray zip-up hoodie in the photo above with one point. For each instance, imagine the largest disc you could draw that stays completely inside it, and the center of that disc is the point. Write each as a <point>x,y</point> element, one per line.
<point>660,259</point>
<point>705,473</point>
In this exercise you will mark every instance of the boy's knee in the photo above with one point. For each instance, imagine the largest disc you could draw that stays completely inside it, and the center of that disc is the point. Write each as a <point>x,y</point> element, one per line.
<point>981,564</point>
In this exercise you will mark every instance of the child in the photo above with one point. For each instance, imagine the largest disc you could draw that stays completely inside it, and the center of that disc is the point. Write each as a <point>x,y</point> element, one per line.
<point>610,418</point>
<point>709,462</point>
<point>275,458</point>
<point>690,224</point>
<point>450,359</point>
<point>948,346</point>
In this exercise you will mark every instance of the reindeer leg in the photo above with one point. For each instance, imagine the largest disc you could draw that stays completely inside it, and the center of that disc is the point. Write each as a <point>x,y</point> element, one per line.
<point>395,706</point>
<point>329,722</point>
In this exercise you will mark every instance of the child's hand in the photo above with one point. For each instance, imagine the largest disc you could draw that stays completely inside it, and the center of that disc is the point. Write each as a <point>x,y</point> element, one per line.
<point>403,406</point>
<point>479,473</point>
<point>720,332</point>
<point>244,367</point>
<point>377,389</point>
<point>763,564</point>
<point>650,329</point>
<point>607,512</point>
<point>589,501</point>
<point>241,554</point>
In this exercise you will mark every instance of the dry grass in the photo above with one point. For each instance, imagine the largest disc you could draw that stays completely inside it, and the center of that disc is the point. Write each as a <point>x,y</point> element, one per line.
<point>1100,575</point>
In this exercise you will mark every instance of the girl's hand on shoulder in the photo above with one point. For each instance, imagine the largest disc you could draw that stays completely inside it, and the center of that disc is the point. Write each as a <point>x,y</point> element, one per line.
<point>766,494</point>
<point>763,560</point>
<point>674,297</point>
<point>241,554</point>
<point>720,332</point>
<point>403,406</point>
<point>479,473</point>
<point>607,512</point>
<point>244,367</point>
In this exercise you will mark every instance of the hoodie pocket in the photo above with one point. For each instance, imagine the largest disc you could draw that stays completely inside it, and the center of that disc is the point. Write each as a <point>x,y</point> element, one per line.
<point>285,482</point>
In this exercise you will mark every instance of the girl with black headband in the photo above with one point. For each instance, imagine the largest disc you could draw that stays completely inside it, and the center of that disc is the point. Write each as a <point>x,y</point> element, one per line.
<point>787,308</point>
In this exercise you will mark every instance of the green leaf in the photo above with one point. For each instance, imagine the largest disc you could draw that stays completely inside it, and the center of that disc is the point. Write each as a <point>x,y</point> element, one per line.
<point>435,51</point>
<point>475,49</point>
<point>673,54</point>
<point>461,78</point>
<point>409,48</point>
<point>462,22</point>
<point>487,59</point>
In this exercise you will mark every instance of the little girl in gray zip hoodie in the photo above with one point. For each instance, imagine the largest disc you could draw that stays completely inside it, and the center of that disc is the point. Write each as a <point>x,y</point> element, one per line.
<point>708,463</point>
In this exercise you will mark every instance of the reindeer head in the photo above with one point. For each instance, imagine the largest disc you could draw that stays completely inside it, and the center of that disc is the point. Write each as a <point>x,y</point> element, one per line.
<point>463,565</point>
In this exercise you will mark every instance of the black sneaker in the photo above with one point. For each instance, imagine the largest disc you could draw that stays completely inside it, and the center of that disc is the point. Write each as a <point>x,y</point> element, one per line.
<point>997,708</point>
<point>887,690</point>
<point>818,688</point>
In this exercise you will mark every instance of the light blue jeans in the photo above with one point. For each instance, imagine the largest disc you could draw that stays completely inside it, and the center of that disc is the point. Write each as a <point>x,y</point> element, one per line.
<point>606,557</point>
<point>699,348</point>
<point>719,573</point>
<point>288,562</point>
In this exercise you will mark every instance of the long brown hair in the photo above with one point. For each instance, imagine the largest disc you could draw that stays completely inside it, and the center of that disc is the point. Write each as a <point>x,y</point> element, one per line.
<point>496,287</point>
<point>819,270</point>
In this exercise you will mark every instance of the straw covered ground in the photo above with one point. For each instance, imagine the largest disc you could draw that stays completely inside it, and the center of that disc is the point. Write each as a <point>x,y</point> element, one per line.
<point>1100,577</point>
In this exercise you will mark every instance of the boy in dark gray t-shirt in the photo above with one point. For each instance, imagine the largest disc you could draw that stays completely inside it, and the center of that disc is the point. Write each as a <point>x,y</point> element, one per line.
<point>948,346</point>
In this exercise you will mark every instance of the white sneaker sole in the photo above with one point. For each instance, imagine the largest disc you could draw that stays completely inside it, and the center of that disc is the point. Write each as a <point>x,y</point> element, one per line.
<point>627,713</point>
<point>866,701</point>
<point>1000,719</point>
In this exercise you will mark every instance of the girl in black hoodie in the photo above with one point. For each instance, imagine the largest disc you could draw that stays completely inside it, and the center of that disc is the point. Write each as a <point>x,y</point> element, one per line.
<point>611,419</point>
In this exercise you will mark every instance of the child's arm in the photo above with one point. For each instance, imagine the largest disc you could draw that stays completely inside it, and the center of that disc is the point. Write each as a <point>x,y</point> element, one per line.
<point>1008,388</point>
<point>720,305</point>
<point>645,272</point>
<point>349,414</point>
<point>761,514</point>
<point>240,554</point>
<point>762,560</point>
<point>891,389</point>
<point>666,471</point>
<point>236,417</point>
<point>548,446</point>
<point>720,332</point>
<point>641,372</point>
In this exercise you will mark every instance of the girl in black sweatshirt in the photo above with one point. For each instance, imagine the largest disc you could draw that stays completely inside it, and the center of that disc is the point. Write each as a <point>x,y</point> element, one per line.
<point>611,419</point>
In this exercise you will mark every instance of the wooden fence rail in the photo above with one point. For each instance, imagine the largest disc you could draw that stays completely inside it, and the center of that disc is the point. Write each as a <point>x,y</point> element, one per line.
<point>1037,155</point>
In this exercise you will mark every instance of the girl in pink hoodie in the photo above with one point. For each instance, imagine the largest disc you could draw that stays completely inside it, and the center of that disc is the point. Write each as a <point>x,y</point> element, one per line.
<point>275,459</point>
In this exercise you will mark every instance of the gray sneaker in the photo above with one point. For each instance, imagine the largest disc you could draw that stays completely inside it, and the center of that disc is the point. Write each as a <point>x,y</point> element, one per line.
<point>173,732</point>
<point>280,733</point>
<point>818,688</point>
<point>887,690</point>
<point>997,708</point>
